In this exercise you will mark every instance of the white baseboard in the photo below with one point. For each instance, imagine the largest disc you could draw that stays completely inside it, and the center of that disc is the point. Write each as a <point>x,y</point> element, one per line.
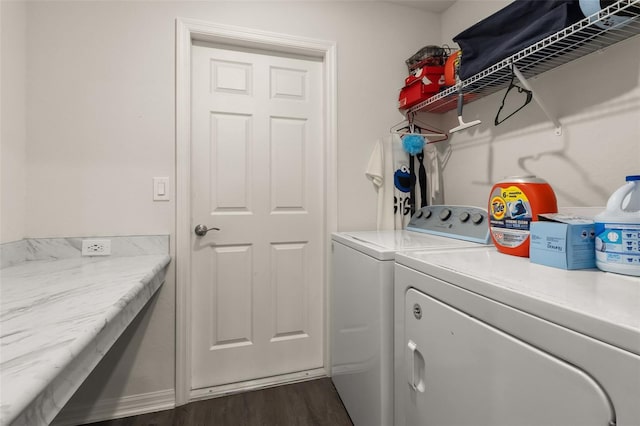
<point>267,382</point>
<point>115,408</point>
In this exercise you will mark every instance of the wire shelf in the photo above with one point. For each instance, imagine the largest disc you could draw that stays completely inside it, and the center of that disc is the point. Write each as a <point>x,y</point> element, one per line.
<point>578,40</point>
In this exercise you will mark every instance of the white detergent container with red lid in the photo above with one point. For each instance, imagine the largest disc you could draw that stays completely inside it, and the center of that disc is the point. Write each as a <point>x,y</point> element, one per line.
<point>618,231</point>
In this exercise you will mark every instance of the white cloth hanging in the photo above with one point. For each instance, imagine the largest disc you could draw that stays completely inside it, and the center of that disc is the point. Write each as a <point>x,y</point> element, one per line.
<point>389,171</point>
<point>434,184</point>
<point>400,183</point>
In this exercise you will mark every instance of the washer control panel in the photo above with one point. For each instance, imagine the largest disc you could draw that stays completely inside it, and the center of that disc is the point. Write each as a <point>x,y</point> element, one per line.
<point>462,222</point>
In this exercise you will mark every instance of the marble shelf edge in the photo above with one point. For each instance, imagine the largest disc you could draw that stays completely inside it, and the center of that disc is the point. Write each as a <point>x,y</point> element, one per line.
<point>90,350</point>
<point>51,400</point>
<point>149,259</point>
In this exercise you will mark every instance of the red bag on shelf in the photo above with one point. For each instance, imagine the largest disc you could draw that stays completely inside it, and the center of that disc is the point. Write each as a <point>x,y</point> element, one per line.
<point>420,85</point>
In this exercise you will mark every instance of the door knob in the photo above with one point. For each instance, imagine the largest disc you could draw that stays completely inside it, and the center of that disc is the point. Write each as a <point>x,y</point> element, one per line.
<point>202,230</point>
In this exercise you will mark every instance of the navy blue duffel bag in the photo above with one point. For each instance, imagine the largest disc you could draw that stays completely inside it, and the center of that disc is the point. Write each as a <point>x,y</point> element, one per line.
<point>516,26</point>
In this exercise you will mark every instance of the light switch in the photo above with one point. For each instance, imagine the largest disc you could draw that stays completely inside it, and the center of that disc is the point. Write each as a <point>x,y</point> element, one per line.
<point>160,189</point>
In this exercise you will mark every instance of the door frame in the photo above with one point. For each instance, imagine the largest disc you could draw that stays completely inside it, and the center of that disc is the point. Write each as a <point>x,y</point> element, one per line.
<point>188,31</point>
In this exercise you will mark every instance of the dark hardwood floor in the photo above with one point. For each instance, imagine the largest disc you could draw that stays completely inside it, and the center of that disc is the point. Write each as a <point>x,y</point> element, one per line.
<point>312,403</point>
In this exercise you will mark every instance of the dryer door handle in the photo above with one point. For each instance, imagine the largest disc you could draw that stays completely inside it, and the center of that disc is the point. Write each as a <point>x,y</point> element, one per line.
<point>416,362</point>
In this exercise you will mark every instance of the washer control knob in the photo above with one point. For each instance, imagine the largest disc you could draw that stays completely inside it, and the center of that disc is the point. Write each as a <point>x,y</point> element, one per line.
<point>445,214</point>
<point>464,216</point>
<point>477,218</point>
<point>427,214</point>
<point>419,214</point>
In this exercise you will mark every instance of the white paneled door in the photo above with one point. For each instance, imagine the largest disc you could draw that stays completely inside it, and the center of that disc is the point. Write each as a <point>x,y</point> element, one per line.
<point>257,174</point>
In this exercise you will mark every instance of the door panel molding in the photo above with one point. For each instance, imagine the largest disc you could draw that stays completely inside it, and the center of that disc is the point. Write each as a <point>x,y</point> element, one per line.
<point>189,31</point>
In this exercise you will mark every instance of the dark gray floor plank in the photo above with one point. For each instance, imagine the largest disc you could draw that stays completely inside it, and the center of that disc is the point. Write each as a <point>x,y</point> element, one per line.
<point>311,403</point>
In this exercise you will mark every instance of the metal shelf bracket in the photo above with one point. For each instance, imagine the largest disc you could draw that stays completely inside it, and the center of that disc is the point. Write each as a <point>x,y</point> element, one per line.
<point>536,98</point>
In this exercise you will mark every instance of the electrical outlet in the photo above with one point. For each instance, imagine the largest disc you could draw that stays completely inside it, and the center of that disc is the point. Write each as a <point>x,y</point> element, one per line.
<point>96,247</point>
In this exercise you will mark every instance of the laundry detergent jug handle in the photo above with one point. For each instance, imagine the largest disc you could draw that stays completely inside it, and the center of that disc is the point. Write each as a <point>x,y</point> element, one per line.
<point>616,199</point>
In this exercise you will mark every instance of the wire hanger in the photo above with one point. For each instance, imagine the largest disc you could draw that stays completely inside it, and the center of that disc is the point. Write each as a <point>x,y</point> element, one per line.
<point>529,93</point>
<point>413,126</point>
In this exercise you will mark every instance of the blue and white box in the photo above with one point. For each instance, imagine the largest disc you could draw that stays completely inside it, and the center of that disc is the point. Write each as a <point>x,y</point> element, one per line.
<point>563,241</point>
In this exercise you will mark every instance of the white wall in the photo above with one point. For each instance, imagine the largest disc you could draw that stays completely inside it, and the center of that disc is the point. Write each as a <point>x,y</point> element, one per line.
<point>597,99</point>
<point>100,113</point>
<point>13,135</point>
<point>106,101</point>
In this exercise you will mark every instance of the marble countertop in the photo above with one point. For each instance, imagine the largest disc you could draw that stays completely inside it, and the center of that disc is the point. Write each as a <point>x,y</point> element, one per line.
<point>58,318</point>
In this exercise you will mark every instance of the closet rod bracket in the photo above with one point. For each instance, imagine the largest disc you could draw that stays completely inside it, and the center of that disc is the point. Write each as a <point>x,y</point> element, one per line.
<point>536,98</point>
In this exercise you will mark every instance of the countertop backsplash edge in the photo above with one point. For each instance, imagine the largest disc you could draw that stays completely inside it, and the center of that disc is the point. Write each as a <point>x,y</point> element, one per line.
<point>29,249</point>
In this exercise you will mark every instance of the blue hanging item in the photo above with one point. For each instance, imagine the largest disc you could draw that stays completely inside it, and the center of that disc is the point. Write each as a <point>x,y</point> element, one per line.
<point>413,143</point>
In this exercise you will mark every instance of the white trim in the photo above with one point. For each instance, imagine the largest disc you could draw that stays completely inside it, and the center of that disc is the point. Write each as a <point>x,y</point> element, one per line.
<point>115,408</point>
<point>188,30</point>
<point>250,385</point>
<point>331,184</point>
<point>183,210</point>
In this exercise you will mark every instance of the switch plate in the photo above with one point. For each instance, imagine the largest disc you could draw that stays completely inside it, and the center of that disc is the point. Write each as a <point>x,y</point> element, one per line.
<point>95,247</point>
<point>161,189</point>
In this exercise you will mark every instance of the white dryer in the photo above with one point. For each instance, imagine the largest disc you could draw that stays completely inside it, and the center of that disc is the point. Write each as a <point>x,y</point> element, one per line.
<point>484,338</point>
<point>362,302</point>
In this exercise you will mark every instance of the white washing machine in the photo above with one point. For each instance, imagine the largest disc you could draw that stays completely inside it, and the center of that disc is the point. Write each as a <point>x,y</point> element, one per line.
<point>484,338</point>
<point>362,302</point>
